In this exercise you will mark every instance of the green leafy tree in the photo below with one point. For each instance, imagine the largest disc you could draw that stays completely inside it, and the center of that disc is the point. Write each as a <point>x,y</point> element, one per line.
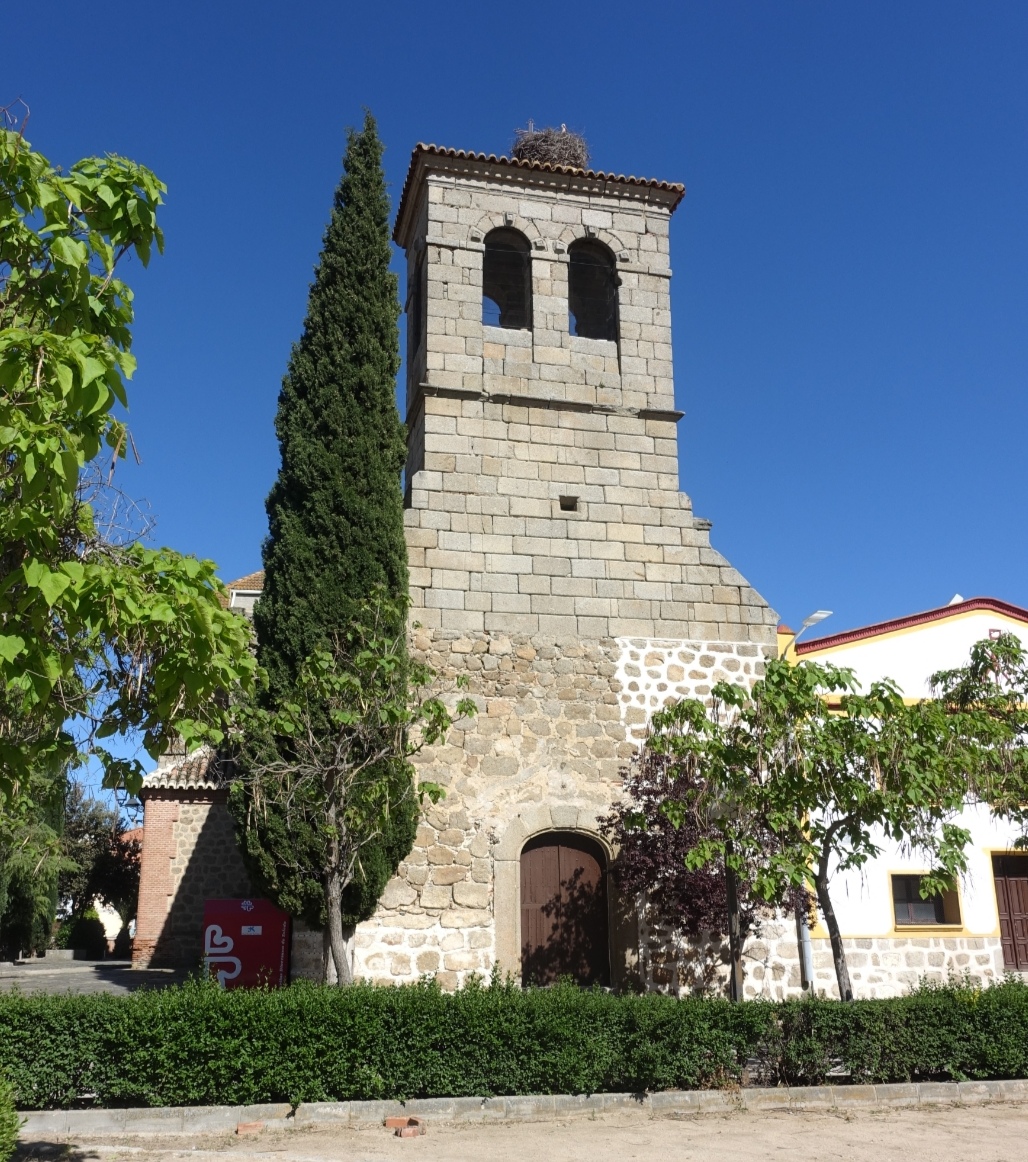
<point>325,764</point>
<point>665,812</point>
<point>31,860</point>
<point>832,773</point>
<point>335,511</point>
<point>336,516</point>
<point>101,638</point>
<point>101,863</point>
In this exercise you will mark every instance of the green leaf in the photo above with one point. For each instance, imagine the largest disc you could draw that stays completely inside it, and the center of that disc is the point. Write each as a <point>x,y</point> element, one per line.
<point>92,369</point>
<point>33,573</point>
<point>11,646</point>
<point>74,569</point>
<point>52,585</point>
<point>69,251</point>
<point>65,378</point>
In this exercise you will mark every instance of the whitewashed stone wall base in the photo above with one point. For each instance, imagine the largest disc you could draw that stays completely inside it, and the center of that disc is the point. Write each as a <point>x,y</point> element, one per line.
<point>883,966</point>
<point>683,966</point>
<point>653,671</point>
<point>889,966</point>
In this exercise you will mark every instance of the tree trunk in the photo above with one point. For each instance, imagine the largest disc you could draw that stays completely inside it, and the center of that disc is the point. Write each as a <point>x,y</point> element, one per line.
<point>328,965</point>
<point>336,940</point>
<point>842,972</point>
<point>333,883</point>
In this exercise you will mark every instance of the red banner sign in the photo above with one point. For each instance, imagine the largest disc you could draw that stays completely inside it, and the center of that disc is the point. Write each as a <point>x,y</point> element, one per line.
<point>246,943</point>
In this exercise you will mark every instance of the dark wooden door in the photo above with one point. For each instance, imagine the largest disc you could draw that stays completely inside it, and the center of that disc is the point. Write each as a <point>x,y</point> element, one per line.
<point>564,911</point>
<point>1011,875</point>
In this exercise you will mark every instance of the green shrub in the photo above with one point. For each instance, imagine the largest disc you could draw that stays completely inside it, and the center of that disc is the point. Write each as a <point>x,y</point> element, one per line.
<point>955,1031</point>
<point>9,1121</point>
<point>85,934</point>
<point>197,1045</point>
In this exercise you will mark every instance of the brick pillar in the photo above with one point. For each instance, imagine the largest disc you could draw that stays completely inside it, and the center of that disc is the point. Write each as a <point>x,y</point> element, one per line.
<point>160,814</point>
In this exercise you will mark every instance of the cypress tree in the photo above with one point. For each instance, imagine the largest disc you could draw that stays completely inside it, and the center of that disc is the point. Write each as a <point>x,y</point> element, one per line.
<point>335,512</point>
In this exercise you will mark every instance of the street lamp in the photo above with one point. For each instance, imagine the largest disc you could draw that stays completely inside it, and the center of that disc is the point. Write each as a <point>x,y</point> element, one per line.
<point>803,928</point>
<point>813,619</point>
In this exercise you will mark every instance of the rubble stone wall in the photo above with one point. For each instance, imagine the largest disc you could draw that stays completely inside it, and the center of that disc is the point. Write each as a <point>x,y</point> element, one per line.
<point>545,752</point>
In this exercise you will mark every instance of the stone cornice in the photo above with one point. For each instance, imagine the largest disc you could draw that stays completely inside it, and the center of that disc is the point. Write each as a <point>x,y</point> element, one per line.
<point>669,415</point>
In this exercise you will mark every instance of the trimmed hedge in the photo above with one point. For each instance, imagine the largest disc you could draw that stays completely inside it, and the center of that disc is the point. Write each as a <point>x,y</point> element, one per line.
<point>197,1045</point>
<point>10,1123</point>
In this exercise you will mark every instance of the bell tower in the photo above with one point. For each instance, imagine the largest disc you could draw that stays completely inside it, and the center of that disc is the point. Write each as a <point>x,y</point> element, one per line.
<point>543,460</point>
<point>554,564</point>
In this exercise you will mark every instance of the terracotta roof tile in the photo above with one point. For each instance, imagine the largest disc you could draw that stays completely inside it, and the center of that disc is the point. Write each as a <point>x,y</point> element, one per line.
<point>197,771</point>
<point>251,583</point>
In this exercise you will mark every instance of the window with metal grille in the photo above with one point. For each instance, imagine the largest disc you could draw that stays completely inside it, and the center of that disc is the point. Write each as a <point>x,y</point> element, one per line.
<point>911,908</point>
<point>592,291</point>
<point>507,280</point>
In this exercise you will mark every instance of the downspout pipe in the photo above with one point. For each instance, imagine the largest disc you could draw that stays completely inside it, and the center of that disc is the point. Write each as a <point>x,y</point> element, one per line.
<point>802,927</point>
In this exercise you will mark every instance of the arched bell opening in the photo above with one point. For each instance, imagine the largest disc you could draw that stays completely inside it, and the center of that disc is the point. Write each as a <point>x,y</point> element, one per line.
<point>592,291</point>
<point>507,280</point>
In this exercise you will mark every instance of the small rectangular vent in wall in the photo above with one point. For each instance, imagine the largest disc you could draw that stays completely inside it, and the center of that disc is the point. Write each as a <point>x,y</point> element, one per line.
<point>569,504</point>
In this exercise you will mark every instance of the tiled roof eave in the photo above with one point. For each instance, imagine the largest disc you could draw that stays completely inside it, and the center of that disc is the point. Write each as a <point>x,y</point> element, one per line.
<point>191,773</point>
<point>866,632</point>
<point>251,583</point>
<point>528,172</point>
<point>159,784</point>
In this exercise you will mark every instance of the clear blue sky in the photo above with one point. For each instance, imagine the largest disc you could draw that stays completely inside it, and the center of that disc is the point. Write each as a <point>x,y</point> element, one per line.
<point>851,261</point>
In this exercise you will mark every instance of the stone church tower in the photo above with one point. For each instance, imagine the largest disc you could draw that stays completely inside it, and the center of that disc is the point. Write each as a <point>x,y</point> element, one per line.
<point>554,562</point>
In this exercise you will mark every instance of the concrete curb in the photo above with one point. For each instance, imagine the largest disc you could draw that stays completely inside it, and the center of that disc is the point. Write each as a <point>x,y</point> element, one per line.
<point>48,1125</point>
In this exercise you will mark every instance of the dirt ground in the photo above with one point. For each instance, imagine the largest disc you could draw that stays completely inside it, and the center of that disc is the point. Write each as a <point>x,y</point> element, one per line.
<point>991,1133</point>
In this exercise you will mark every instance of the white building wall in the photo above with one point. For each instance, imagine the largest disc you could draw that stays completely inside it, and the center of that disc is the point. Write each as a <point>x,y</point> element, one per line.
<point>863,898</point>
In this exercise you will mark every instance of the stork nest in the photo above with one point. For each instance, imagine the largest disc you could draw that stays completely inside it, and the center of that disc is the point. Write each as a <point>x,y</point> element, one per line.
<point>551,146</point>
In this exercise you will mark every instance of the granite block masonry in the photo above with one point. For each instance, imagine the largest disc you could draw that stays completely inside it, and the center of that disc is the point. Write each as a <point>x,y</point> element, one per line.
<point>554,563</point>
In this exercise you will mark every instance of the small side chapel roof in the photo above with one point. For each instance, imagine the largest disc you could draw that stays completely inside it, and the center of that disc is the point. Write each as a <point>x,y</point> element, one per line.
<point>178,772</point>
<point>518,170</point>
<point>942,613</point>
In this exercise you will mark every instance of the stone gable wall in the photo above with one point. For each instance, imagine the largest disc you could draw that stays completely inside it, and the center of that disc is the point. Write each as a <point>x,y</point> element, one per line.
<point>554,562</point>
<point>556,566</point>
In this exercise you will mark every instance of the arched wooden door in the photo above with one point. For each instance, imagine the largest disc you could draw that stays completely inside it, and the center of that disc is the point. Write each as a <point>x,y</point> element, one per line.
<point>564,929</point>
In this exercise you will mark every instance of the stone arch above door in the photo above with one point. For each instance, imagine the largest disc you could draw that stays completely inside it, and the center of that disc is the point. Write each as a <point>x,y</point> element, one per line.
<point>529,823</point>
